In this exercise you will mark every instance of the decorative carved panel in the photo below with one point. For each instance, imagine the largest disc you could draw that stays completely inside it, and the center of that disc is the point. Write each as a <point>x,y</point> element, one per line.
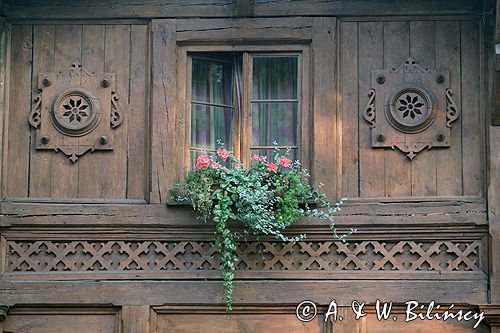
<point>410,108</point>
<point>75,111</point>
<point>82,256</point>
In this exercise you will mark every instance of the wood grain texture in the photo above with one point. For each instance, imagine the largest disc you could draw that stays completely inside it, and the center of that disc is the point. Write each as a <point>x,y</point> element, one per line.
<point>31,9</point>
<point>68,49</point>
<point>91,167</point>
<point>325,124</point>
<point>448,55</point>
<point>372,169</point>
<point>494,210</point>
<point>397,166</point>
<point>135,319</point>
<point>164,117</point>
<point>246,292</point>
<point>138,113</point>
<point>5,33</point>
<point>17,168</point>
<point>348,103</point>
<point>472,156</point>
<point>423,50</point>
<point>43,61</point>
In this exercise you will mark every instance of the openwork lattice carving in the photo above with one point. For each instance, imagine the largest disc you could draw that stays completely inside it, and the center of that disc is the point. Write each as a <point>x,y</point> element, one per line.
<point>418,108</point>
<point>75,111</point>
<point>82,256</point>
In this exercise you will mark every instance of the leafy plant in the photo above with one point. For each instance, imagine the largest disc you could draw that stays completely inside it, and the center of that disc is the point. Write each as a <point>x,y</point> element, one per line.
<point>266,198</point>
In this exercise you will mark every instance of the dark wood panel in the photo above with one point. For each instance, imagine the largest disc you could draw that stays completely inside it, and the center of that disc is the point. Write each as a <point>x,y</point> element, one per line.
<point>472,153</point>
<point>43,61</point>
<point>29,9</point>
<point>494,211</point>
<point>18,140</point>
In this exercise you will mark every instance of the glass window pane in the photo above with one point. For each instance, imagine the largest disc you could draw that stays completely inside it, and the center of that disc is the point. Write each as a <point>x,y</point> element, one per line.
<point>274,122</point>
<point>274,78</point>
<point>212,82</point>
<point>209,124</point>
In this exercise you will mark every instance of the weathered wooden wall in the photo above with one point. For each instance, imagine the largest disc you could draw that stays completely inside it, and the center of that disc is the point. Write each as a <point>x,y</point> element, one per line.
<point>94,241</point>
<point>119,49</point>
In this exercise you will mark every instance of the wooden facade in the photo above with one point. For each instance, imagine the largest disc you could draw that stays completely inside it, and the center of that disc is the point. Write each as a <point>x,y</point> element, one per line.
<point>90,242</point>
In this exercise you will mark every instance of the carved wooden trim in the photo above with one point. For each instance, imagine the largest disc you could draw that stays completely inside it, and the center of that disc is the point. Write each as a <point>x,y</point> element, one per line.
<point>369,110</point>
<point>4,309</point>
<point>94,256</point>
<point>75,111</point>
<point>417,108</point>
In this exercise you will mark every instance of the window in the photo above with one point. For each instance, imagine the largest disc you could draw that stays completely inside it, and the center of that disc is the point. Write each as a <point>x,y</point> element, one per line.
<point>251,101</point>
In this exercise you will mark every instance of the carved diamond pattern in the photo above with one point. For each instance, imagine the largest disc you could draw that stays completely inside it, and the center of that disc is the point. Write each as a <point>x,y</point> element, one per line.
<point>81,256</point>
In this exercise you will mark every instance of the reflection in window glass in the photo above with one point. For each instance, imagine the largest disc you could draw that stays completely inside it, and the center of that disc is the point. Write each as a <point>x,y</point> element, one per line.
<point>274,102</point>
<point>212,105</point>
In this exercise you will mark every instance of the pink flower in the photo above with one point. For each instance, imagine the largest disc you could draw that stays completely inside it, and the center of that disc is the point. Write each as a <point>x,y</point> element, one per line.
<point>284,162</point>
<point>262,158</point>
<point>272,167</point>
<point>215,165</point>
<point>203,161</point>
<point>255,157</point>
<point>196,169</point>
<point>265,174</point>
<point>223,154</point>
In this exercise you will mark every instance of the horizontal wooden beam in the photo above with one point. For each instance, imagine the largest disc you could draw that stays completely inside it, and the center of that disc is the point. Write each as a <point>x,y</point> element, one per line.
<point>245,292</point>
<point>33,9</point>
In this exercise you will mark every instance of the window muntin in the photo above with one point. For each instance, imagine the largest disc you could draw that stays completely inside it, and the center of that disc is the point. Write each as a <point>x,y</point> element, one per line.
<point>264,106</point>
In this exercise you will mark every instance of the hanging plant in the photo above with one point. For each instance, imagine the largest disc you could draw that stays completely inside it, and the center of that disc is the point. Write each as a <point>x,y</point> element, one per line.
<point>265,198</point>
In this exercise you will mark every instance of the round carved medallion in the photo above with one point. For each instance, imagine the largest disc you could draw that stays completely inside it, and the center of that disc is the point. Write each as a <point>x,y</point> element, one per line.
<point>75,111</point>
<point>409,108</point>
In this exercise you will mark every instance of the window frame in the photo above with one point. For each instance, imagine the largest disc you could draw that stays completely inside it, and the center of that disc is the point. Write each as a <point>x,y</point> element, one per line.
<point>242,118</point>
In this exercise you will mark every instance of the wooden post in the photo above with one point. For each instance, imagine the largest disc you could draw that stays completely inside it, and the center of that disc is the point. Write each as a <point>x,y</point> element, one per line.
<point>135,319</point>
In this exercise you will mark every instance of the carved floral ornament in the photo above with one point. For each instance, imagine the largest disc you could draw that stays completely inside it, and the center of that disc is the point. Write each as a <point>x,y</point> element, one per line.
<point>75,111</point>
<point>410,108</point>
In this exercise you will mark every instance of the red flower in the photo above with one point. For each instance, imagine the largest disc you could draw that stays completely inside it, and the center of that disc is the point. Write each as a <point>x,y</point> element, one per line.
<point>215,165</point>
<point>223,154</point>
<point>203,161</point>
<point>284,162</point>
<point>272,167</point>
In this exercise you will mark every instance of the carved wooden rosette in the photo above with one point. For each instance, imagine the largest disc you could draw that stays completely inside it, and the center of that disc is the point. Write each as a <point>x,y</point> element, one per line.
<point>75,111</point>
<point>410,108</point>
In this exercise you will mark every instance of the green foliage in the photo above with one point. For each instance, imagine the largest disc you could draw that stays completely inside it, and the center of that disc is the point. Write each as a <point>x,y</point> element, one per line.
<point>265,197</point>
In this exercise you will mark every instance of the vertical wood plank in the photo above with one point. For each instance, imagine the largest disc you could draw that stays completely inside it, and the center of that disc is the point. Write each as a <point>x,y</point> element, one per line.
<point>371,161</point>
<point>64,173</point>
<point>16,176</point>
<point>90,168</point>
<point>349,107</point>
<point>494,211</point>
<point>471,112</point>
<point>5,33</point>
<point>423,50</point>
<point>397,165</point>
<point>449,175</point>
<point>135,319</point>
<point>325,130</point>
<point>43,61</point>
<point>163,119</point>
<point>138,113</point>
<point>117,60</point>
